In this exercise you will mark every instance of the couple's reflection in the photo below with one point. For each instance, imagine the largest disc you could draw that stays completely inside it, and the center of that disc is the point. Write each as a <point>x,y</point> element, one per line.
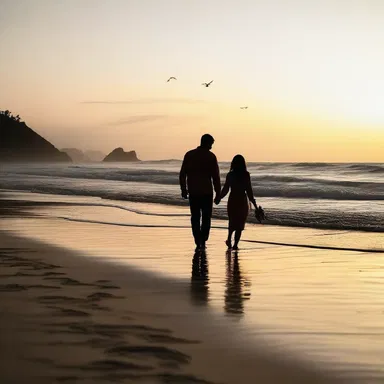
<point>236,286</point>
<point>199,280</point>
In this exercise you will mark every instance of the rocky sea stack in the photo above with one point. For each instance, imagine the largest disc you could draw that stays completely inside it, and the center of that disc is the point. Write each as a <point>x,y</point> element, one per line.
<point>118,155</point>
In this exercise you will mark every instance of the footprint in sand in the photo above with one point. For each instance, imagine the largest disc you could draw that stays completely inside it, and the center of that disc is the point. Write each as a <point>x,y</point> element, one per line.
<point>42,286</point>
<point>57,299</point>
<point>52,273</point>
<point>23,274</point>
<point>158,338</point>
<point>69,312</point>
<point>180,379</point>
<point>18,262</point>
<point>97,296</point>
<point>17,274</point>
<point>108,287</point>
<point>105,330</point>
<point>12,287</point>
<point>89,303</point>
<point>140,351</point>
<point>94,342</point>
<point>67,281</point>
<point>113,365</point>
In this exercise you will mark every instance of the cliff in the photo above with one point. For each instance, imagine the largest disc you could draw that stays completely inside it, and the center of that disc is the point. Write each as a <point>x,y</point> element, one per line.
<point>76,155</point>
<point>79,156</point>
<point>94,155</point>
<point>118,155</point>
<point>19,143</point>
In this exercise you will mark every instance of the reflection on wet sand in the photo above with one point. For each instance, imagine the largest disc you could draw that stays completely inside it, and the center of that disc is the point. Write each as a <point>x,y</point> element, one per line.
<point>199,279</point>
<point>237,286</point>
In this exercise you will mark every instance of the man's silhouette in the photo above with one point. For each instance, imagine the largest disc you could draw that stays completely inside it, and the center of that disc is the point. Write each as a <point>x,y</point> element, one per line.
<point>197,173</point>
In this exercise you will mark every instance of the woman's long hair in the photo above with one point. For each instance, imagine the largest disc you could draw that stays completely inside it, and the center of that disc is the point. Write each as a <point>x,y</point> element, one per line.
<point>238,166</point>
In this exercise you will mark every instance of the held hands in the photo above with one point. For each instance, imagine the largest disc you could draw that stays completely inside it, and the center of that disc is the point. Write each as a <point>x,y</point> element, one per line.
<point>184,194</point>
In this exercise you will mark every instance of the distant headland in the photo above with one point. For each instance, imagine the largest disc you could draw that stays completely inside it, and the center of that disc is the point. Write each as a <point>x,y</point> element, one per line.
<point>19,143</point>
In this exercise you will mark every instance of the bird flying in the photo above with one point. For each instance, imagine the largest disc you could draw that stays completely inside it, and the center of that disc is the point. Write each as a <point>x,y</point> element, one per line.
<point>207,84</point>
<point>244,107</point>
<point>171,78</point>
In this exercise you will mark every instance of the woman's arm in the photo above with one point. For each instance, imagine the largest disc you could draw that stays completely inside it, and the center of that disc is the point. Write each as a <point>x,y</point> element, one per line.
<point>225,189</point>
<point>250,191</point>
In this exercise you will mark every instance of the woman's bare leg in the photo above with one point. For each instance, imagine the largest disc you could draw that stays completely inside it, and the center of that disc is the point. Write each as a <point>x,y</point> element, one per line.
<point>237,239</point>
<point>229,240</point>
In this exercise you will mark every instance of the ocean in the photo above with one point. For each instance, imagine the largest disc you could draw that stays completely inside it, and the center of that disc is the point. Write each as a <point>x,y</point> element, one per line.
<point>342,196</point>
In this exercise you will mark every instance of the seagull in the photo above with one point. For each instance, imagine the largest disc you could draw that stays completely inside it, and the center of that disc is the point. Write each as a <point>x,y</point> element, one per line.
<point>207,84</point>
<point>171,78</point>
<point>243,107</point>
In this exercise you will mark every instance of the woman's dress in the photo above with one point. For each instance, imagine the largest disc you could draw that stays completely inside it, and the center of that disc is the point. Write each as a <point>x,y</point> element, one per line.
<point>238,205</point>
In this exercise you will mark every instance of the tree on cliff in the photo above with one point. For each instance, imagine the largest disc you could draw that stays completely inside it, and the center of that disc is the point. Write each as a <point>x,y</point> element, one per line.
<point>8,115</point>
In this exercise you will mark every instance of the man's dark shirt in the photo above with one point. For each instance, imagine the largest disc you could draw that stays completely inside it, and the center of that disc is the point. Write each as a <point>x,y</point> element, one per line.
<point>198,171</point>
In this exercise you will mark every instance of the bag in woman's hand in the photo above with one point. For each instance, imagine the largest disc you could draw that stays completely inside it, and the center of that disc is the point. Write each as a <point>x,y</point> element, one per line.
<point>259,214</point>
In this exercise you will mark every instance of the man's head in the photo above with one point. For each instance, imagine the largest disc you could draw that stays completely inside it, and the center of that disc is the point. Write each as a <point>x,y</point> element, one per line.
<point>207,141</point>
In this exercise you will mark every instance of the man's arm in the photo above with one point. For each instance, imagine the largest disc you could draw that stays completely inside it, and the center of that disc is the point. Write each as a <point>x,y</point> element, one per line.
<point>183,178</point>
<point>216,177</point>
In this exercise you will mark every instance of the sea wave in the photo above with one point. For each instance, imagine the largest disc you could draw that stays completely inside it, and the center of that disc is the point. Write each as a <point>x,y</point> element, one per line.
<point>265,185</point>
<point>312,165</point>
<point>307,216</point>
<point>371,168</point>
<point>361,167</point>
<point>120,190</point>
<point>319,195</point>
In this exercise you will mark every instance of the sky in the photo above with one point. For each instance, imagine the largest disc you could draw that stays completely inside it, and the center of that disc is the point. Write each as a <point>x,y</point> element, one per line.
<point>92,74</point>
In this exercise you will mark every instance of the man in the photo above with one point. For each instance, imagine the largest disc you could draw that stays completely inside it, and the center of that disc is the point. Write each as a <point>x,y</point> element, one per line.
<point>198,171</point>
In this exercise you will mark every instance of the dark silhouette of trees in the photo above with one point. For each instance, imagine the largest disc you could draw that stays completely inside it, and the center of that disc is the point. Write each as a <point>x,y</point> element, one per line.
<point>8,115</point>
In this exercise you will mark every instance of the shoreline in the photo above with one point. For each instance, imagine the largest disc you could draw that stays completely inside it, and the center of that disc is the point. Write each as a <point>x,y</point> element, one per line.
<point>282,210</point>
<point>219,218</point>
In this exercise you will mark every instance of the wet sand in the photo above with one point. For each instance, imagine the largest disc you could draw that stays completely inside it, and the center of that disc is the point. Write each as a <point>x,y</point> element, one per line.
<point>66,320</point>
<point>85,302</point>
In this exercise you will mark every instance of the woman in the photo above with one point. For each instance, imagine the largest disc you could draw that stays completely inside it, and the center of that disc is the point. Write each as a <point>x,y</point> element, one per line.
<point>239,181</point>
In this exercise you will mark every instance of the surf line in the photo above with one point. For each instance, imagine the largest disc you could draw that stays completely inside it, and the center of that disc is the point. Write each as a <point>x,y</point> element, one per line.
<point>129,225</point>
<point>316,246</point>
<point>215,227</point>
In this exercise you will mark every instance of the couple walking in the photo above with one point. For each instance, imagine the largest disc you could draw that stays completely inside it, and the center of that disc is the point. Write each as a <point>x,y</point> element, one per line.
<point>198,172</point>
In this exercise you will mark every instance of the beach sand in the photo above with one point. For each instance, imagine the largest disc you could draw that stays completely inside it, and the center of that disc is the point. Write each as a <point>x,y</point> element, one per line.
<point>85,302</point>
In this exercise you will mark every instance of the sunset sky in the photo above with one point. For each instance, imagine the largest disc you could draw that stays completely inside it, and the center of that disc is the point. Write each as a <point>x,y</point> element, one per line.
<point>92,74</point>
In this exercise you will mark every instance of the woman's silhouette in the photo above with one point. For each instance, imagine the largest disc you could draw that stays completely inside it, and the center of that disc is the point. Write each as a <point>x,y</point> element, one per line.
<point>239,182</point>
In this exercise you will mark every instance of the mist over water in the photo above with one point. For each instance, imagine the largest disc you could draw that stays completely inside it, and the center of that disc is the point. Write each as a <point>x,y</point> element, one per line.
<point>320,195</point>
